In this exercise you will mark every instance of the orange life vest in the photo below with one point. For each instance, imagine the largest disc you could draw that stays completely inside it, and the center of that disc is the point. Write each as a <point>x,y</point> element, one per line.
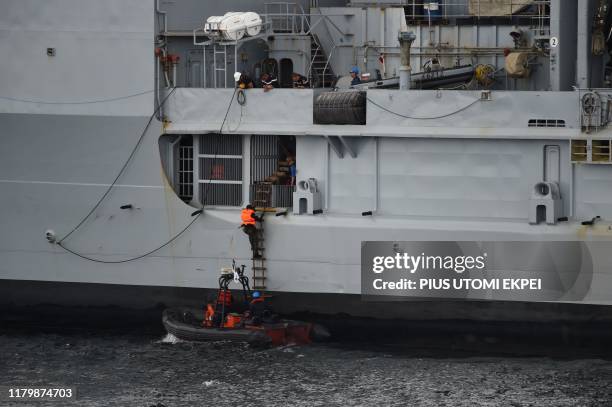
<point>247,217</point>
<point>224,297</point>
<point>208,316</point>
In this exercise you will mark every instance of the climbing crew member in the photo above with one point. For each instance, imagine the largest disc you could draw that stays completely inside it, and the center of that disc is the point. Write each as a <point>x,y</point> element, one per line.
<point>245,82</point>
<point>355,75</point>
<point>267,82</point>
<point>257,308</point>
<point>249,226</point>
<point>299,81</point>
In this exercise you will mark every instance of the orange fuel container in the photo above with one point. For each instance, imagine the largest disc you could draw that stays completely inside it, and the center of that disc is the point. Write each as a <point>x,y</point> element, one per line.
<point>233,320</point>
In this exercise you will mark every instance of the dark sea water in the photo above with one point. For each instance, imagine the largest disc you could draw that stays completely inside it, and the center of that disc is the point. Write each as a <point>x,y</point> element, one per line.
<point>149,368</point>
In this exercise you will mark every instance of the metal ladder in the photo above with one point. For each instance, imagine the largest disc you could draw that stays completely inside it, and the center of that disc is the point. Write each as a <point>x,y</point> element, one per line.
<point>259,264</point>
<point>320,73</point>
<point>223,65</point>
<point>263,197</point>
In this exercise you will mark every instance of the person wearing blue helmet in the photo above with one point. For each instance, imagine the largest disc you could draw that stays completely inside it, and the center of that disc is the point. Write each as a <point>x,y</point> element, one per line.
<point>355,75</point>
<point>257,308</point>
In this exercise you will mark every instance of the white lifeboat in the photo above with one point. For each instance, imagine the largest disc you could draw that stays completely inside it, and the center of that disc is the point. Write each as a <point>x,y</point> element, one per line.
<point>233,26</point>
<point>252,22</point>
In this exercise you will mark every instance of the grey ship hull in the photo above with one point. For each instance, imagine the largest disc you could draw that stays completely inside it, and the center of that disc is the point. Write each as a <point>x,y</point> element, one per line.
<point>103,301</point>
<point>323,279</point>
<point>57,160</point>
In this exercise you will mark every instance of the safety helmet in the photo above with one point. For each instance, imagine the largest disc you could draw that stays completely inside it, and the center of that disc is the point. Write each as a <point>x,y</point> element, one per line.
<point>256,294</point>
<point>355,70</point>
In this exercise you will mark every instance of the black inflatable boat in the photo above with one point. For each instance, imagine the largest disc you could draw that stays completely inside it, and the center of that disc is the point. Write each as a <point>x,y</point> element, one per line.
<point>188,324</point>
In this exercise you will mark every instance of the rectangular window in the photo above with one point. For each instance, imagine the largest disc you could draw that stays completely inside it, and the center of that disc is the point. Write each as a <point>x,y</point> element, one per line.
<point>185,169</point>
<point>220,175</point>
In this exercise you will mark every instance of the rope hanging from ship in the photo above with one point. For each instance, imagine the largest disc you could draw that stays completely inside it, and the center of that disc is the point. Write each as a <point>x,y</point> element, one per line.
<point>424,118</point>
<point>80,102</point>
<point>195,214</point>
<point>132,153</point>
<point>241,99</point>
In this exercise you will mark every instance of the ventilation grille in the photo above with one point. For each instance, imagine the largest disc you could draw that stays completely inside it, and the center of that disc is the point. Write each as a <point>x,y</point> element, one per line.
<point>600,150</point>
<point>579,150</point>
<point>546,123</point>
<point>591,151</point>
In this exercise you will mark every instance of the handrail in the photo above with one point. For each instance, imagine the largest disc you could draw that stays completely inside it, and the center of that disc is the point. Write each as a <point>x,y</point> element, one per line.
<point>312,59</point>
<point>327,19</point>
<point>290,18</point>
<point>461,9</point>
<point>304,18</point>
<point>293,27</point>
<point>165,16</point>
<point>327,63</point>
<point>195,37</point>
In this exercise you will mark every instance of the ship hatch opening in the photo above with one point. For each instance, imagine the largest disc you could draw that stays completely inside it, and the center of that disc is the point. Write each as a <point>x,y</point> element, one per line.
<point>273,162</point>
<point>207,169</point>
<point>176,154</point>
<point>286,70</point>
<point>204,170</point>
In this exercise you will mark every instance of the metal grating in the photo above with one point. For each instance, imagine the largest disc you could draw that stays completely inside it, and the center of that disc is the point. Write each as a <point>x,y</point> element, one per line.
<point>268,165</point>
<point>546,123</point>
<point>220,169</point>
<point>221,144</point>
<point>264,157</point>
<point>221,194</point>
<point>281,196</point>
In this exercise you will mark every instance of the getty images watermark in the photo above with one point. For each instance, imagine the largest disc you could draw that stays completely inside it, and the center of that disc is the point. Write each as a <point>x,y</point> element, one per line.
<point>520,271</point>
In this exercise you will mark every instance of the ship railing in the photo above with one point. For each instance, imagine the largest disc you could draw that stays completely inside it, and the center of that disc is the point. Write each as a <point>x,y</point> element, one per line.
<point>287,17</point>
<point>422,10</point>
<point>312,73</point>
<point>220,48</point>
<point>281,196</point>
<point>313,57</point>
<point>329,57</point>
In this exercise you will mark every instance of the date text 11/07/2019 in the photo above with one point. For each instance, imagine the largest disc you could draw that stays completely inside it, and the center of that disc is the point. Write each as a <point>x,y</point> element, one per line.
<point>459,284</point>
